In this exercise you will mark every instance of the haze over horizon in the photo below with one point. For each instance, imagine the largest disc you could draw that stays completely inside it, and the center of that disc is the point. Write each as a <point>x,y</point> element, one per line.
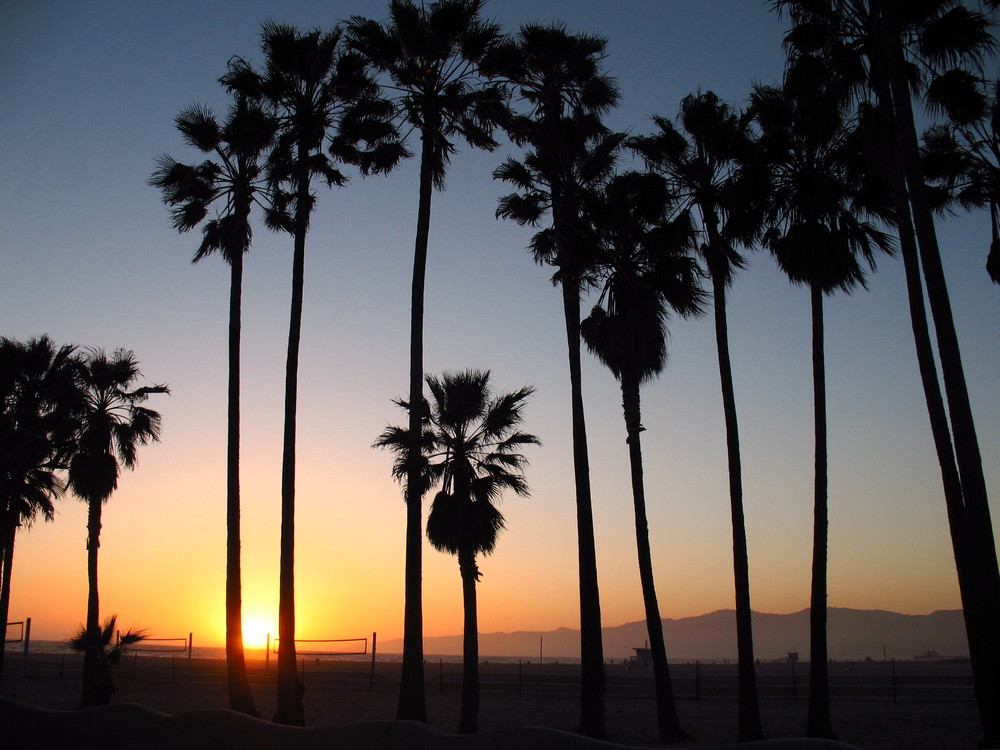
<point>87,255</point>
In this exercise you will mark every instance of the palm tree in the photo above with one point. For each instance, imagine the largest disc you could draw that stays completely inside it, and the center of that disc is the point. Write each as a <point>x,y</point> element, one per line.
<point>819,234</point>
<point>99,643</point>
<point>471,440</point>
<point>321,95</point>
<point>233,182</point>
<point>895,50</point>
<point>647,271</point>
<point>112,425</point>
<point>558,77</point>
<point>962,157</point>
<point>710,162</point>
<point>429,55</point>
<point>39,397</point>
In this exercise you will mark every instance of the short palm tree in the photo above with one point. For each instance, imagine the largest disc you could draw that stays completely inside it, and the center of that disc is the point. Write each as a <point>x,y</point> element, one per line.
<point>429,56</point>
<point>324,102</point>
<point>823,202</point>
<point>558,78</point>
<point>39,398</point>
<point>108,647</point>
<point>113,423</point>
<point>232,183</point>
<point>472,440</point>
<point>647,270</point>
<point>895,51</point>
<point>710,162</point>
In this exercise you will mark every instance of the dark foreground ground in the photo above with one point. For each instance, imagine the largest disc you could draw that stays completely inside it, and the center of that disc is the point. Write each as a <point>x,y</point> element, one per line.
<point>876,705</point>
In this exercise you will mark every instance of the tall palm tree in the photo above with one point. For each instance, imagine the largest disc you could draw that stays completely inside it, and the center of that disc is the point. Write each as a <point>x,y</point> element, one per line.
<point>323,98</point>
<point>820,235</point>
<point>710,161</point>
<point>558,78</point>
<point>898,50</point>
<point>113,423</point>
<point>38,400</point>
<point>471,444</point>
<point>429,56</point>
<point>647,271</point>
<point>233,182</point>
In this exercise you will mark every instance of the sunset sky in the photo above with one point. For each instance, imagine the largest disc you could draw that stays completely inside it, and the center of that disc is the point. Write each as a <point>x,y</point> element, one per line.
<point>87,255</point>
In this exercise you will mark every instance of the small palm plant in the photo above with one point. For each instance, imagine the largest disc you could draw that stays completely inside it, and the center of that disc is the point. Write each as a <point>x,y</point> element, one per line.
<point>97,644</point>
<point>471,442</point>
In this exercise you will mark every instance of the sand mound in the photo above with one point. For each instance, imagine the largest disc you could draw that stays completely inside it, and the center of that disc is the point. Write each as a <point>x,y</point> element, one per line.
<point>130,725</point>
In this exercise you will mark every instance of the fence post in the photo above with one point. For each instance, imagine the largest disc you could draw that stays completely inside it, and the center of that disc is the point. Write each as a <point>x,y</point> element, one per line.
<point>894,680</point>
<point>371,678</point>
<point>190,645</point>
<point>267,653</point>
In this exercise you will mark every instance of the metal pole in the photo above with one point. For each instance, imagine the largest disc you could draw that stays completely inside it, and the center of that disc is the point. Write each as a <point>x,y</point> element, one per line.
<point>27,642</point>
<point>190,645</point>
<point>267,653</point>
<point>371,679</point>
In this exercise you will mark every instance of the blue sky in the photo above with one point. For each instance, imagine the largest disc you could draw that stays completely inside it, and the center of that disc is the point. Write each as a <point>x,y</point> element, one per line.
<point>87,255</point>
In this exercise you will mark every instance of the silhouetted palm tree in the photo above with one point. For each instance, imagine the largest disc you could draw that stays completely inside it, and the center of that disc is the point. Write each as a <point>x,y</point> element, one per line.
<point>962,157</point>
<point>471,443</point>
<point>38,400</point>
<point>429,55</point>
<point>112,425</point>
<point>647,270</point>
<point>819,232</point>
<point>558,78</point>
<point>232,183</point>
<point>322,96</point>
<point>108,647</point>
<point>896,50</point>
<point>710,162</point>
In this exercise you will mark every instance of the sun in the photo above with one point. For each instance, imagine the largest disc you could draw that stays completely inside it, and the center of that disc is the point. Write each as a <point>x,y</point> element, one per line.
<point>255,633</point>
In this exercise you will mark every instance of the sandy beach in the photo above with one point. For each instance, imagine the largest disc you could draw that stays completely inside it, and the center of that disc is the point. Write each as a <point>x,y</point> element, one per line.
<point>931,705</point>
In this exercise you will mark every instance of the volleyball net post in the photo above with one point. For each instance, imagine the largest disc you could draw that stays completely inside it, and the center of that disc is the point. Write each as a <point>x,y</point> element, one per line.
<point>24,637</point>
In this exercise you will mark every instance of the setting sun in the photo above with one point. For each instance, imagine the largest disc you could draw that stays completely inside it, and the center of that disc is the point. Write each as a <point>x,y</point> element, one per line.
<point>255,633</point>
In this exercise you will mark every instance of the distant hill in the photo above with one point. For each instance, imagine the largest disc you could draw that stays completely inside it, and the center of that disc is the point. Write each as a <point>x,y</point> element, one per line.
<point>854,634</point>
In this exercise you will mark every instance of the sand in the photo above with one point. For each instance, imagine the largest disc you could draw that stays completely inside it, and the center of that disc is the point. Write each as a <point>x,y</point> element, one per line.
<point>933,705</point>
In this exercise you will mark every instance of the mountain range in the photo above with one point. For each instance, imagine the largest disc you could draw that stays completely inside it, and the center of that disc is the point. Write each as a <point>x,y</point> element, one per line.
<point>854,634</point>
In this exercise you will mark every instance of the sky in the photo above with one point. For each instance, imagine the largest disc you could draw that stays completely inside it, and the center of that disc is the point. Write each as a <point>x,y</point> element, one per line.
<point>88,255</point>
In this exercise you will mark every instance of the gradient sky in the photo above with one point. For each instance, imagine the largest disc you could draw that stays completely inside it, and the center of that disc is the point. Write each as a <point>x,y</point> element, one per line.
<point>87,255</point>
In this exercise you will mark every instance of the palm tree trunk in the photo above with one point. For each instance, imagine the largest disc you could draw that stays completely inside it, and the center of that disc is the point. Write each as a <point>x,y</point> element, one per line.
<point>591,644</point>
<point>290,688</point>
<point>818,722</point>
<point>749,725</point>
<point>89,696</point>
<point>979,524</point>
<point>240,696</point>
<point>412,699</point>
<point>468,722</point>
<point>9,530</point>
<point>937,414</point>
<point>666,709</point>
